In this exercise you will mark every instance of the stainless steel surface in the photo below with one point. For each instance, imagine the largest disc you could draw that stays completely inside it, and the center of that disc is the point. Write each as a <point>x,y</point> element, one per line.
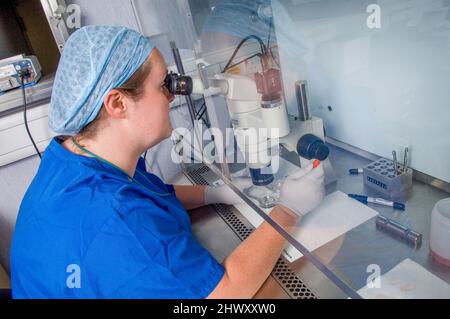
<point>349,255</point>
<point>418,176</point>
<point>201,68</point>
<point>56,17</point>
<point>302,100</point>
<point>405,160</point>
<point>313,258</point>
<point>432,181</point>
<point>365,245</point>
<point>402,232</point>
<point>394,158</point>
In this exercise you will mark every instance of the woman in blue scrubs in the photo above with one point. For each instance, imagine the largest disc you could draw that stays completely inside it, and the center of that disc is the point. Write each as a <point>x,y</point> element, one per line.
<point>95,224</point>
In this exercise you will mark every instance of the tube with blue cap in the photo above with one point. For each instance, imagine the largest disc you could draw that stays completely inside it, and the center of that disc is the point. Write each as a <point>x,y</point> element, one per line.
<point>355,171</point>
<point>379,201</point>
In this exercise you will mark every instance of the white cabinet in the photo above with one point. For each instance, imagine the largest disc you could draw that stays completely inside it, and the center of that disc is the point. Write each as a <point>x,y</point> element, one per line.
<point>15,143</point>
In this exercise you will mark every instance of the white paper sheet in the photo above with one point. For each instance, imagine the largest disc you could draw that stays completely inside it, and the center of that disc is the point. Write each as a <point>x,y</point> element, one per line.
<point>408,280</point>
<point>334,217</point>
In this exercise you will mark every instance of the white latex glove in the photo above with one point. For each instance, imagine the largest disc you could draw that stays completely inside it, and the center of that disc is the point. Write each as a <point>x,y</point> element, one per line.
<point>225,195</point>
<point>304,190</point>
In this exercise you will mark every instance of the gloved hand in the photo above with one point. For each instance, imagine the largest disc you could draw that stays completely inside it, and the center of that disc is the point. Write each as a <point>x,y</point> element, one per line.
<point>303,191</point>
<point>225,195</point>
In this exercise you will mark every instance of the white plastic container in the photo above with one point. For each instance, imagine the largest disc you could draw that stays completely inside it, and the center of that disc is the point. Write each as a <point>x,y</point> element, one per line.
<point>440,232</point>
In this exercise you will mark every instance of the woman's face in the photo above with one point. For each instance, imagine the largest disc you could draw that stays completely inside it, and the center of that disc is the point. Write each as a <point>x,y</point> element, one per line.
<point>149,116</point>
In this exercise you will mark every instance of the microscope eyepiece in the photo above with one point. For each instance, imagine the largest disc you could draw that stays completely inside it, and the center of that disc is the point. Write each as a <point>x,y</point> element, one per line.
<point>178,84</point>
<point>312,147</point>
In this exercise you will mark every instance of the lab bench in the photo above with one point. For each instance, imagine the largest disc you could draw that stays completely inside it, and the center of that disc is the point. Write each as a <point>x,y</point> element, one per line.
<point>221,228</point>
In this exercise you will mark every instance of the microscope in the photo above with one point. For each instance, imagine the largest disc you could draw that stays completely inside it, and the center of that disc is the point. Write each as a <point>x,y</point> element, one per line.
<point>260,120</point>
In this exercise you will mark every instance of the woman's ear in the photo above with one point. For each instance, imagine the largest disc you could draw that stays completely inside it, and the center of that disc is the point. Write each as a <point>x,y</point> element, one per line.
<point>115,104</point>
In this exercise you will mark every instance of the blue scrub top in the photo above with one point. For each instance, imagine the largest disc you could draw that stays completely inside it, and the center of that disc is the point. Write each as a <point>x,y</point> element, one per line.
<point>85,230</point>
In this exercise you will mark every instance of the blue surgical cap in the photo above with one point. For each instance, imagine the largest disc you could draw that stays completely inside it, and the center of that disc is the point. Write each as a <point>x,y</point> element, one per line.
<point>95,60</point>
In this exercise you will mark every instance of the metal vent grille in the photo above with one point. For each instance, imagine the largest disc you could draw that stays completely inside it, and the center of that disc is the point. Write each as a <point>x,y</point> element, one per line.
<point>290,282</point>
<point>228,214</point>
<point>196,175</point>
<point>285,277</point>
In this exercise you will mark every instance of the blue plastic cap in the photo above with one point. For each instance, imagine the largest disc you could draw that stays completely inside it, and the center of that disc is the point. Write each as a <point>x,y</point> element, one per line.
<point>310,147</point>
<point>362,199</point>
<point>399,206</point>
<point>320,152</point>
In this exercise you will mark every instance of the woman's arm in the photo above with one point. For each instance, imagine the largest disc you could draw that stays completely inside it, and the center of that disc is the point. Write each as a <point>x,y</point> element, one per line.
<point>191,196</point>
<point>252,261</point>
<point>249,265</point>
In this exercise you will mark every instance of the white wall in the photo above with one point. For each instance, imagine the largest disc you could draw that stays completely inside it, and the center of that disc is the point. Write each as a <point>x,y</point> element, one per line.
<point>108,12</point>
<point>387,87</point>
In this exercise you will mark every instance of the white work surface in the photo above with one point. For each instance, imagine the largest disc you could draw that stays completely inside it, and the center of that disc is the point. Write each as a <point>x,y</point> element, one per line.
<point>408,280</point>
<point>337,215</point>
